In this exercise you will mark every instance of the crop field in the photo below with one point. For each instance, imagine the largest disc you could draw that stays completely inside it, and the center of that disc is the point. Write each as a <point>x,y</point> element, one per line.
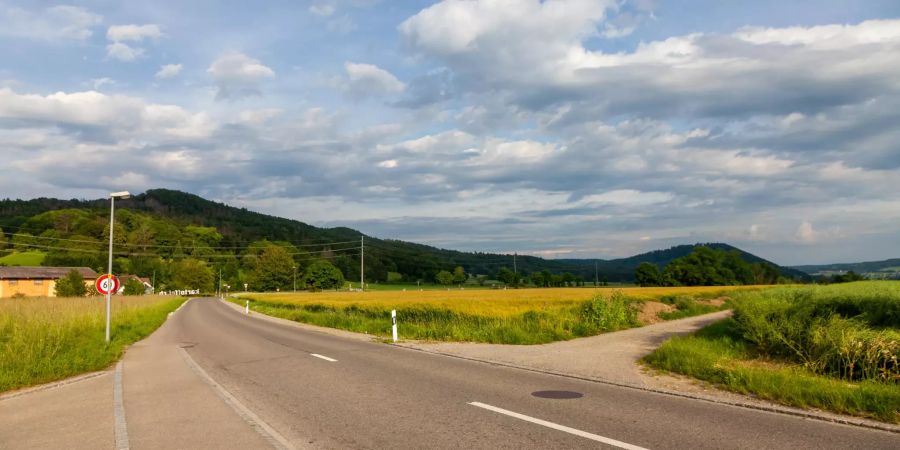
<point>513,316</point>
<point>47,339</point>
<point>831,347</point>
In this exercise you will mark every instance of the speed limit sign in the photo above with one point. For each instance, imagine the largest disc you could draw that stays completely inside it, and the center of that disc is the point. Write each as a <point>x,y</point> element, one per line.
<point>107,284</point>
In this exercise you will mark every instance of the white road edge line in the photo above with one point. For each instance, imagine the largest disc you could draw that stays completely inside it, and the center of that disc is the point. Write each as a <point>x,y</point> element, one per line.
<point>323,357</point>
<point>121,427</point>
<point>584,434</point>
<point>267,432</point>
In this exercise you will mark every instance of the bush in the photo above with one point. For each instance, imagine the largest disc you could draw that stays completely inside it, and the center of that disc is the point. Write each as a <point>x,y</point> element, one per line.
<point>615,313</point>
<point>134,287</point>
<point>322,275</point>
<point>71,285</point>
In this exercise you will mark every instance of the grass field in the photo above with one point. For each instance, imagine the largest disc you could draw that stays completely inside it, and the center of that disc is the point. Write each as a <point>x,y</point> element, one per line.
<point>514,316</point>
<point>23,259</point>
<point>47,339</point>
<point>830,347</point>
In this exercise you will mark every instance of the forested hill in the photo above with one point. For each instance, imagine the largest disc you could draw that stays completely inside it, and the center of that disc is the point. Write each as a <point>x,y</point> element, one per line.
<point>166,224</point>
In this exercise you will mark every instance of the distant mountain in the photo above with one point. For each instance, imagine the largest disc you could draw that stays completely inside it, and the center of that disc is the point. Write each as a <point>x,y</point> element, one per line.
<point>239,227</point>
<point>623,268</point>
<point>888,265</point>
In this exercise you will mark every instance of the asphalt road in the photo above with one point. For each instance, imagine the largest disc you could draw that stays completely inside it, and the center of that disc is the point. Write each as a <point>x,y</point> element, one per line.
<point>323,391</point>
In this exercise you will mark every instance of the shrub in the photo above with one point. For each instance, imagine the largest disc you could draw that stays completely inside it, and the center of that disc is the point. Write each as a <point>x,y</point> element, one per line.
<point>609,314</point>
<point>71,285</point>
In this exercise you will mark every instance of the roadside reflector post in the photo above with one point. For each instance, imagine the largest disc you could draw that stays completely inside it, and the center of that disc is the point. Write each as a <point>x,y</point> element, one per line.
<point>394,324</point>
<point>247,307</point>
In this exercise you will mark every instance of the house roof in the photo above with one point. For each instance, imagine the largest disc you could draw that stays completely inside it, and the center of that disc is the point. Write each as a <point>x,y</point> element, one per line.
<point>42,273</point>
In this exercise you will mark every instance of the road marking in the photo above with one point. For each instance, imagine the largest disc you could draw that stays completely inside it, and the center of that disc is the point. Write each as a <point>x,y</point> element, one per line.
<point>323,357</point>
<point>121,426</point>
<point>584,434</point>
<point>267,432</point>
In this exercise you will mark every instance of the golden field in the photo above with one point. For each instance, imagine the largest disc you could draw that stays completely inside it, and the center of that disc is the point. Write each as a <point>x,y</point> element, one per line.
<point>480,302</point>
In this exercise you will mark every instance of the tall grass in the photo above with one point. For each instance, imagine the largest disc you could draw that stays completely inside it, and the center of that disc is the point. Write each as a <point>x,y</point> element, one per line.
<point>719,354</point>
<point>46,339</point>
<point>849,331</point>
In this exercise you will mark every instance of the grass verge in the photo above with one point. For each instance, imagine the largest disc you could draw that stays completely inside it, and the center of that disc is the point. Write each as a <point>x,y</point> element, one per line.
<point>47,339</point>
<point>720,355</point>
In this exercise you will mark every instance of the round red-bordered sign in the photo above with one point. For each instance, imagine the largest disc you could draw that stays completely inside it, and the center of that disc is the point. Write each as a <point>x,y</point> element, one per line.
<point>103,284</point>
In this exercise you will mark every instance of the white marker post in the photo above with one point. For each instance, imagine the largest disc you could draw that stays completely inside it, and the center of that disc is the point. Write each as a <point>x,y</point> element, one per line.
<point>394,323</point>
<point>247,307</point>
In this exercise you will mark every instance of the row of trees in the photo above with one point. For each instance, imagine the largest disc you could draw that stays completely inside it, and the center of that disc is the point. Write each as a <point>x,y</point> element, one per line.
<point>707,267</point>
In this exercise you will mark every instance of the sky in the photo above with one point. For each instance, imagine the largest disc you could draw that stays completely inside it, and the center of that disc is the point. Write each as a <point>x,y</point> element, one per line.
<point>557,128</point>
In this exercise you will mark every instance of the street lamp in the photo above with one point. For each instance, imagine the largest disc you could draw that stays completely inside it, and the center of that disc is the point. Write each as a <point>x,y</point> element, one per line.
<point>112,221</point>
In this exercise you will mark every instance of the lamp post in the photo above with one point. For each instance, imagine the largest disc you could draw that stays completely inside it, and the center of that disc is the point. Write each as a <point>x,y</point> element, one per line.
<point>112,221</point>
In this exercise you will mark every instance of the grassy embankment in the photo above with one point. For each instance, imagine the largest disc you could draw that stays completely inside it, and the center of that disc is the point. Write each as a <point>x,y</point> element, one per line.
<point>23,259</point>
<point>833,348</point>
<point>515,316</point>
<point>47,339</point>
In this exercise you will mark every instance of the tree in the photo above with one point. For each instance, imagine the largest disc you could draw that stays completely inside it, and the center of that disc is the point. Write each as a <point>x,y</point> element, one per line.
<point>190,273</point>
<point>459,275</point>
<point>322,275</point>
<point>274,270</point>
<point>71,285</point>
<point>2,239</point>
<point>443,277</point>
<point>506,276</point>
<point>647,274</point>
<point>134,287</point>
<point>537,278</point>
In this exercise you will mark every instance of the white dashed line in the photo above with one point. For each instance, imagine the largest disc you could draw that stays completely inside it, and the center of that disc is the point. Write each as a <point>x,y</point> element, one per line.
<point>324,357</point>
<point>584,434</point>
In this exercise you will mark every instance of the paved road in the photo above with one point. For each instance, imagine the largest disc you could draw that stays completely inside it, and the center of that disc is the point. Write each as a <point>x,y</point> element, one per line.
<point>378,396</point>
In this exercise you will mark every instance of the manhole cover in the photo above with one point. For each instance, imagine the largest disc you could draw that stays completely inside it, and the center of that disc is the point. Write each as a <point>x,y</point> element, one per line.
<point>559,395</point>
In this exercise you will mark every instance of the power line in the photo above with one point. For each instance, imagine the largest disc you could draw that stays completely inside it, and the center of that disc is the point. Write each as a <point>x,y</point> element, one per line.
<point>312,255</point>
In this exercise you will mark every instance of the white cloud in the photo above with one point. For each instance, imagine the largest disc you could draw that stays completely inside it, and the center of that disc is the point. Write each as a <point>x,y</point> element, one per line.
<point>168,71</point>
<point>238,75</point>
<point>53,24</point>
<point>123,52</point>
<point>119,34</point>
<point>114,114</point>
<point>367,80</point>
<point>98,83</point>
<point>322,9</point>
<point>388,164</point>
<point>136,33</point>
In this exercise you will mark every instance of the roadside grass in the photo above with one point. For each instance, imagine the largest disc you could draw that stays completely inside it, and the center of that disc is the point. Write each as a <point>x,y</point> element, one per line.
<point>47,339</point>
<point>23,259</point>
<point>833,348</point>
<point>520,316</point>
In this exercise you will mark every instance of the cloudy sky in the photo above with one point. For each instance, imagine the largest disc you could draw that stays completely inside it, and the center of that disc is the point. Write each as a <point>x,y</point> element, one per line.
<point>560,128</point>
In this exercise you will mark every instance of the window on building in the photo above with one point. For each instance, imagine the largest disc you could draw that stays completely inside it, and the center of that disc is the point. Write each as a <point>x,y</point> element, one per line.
<point>13,282</point>
<point>38,282</point>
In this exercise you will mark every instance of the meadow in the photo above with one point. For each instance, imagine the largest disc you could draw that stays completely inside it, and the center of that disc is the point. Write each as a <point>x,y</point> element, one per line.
<point>513,316</point>
<point>47,339</point>
<point>23,259</point>
<point>830,347</point>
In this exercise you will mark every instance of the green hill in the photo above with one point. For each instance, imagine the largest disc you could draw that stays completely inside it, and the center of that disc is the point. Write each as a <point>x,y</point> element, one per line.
<point>166,224</point>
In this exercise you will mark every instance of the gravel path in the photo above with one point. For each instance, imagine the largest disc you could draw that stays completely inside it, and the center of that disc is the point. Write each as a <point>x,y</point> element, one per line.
<point>611,356</point>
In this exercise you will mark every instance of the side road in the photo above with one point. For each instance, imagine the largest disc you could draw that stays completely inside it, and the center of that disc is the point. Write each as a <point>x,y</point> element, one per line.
<point>610,357</point>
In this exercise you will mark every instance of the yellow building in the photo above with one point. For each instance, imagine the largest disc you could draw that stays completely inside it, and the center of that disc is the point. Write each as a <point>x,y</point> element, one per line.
<point>38,281</point>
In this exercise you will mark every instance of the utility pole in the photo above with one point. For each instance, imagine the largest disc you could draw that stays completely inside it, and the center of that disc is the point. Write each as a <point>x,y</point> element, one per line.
<point>362,263</point>
<point>515,269</point>
<point>219,291</point>
<point>596,275</point>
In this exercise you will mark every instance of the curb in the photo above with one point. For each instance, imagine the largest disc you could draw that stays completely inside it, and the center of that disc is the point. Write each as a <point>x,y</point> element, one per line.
<point>54,384</point>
